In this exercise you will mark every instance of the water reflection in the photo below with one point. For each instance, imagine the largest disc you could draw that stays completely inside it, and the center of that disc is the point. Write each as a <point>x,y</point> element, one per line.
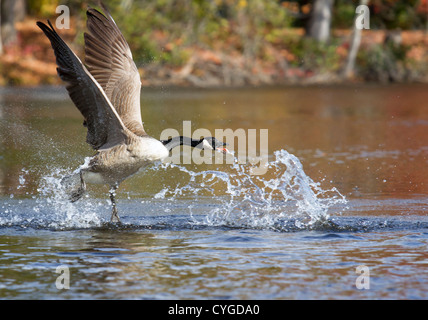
<point>369,142</point>
<point>219,263</point>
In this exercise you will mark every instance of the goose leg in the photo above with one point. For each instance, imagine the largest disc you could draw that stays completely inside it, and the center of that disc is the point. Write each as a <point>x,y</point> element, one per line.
<point>114,215</point>
<point>76,195</point>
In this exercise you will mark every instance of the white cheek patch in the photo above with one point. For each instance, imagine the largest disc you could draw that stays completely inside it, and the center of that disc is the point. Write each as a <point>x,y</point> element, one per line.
<point>206,145</point>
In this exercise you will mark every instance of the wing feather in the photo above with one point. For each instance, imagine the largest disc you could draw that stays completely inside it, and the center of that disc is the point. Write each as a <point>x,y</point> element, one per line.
<point>105,127</point>
<point>109,59</point>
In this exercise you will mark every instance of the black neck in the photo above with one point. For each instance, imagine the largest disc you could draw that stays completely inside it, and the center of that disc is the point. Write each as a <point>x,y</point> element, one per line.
<point>182,141</point>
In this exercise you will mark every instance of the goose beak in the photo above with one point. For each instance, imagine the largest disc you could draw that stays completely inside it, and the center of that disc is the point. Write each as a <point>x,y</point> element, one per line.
<point>223,150</point>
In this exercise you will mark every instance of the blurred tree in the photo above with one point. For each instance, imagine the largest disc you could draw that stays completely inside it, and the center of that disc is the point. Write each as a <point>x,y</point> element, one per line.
<point>46,8</point>
<point>344,13</point>
<point>11,11</point>
<point>320,20</point>
<point>1,38</point>
<point>159,30</point>
<point>349,69</point>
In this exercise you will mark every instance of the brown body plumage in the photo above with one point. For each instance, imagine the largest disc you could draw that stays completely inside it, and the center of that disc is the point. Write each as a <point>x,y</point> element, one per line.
<point>107,93</point>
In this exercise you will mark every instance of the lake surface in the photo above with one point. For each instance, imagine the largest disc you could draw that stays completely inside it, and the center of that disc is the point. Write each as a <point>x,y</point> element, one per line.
<point>340,211</point>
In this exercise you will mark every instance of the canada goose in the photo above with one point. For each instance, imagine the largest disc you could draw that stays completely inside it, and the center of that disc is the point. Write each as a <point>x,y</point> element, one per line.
<point>107,93</point>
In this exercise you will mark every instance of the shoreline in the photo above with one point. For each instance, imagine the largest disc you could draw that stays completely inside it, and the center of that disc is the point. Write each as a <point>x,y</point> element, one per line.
<point>58,92</point>
<point>31,62</point>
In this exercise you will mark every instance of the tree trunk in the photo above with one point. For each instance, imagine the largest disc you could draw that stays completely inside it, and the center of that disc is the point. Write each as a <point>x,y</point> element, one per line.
<point>349,70</point>
<point>7,26</point>
<point>320,20</point>
<point>1,42</point>
<point>20,10</point>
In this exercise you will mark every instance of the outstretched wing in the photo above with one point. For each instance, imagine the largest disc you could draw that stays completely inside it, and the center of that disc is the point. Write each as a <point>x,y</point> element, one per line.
<point>105,128</point>
<point>109,60</point>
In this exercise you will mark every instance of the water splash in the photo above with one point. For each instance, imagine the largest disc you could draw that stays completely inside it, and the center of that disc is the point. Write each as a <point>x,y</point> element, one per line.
<point>51,208</point>
<point>54,201</point>
<point>284,194</point>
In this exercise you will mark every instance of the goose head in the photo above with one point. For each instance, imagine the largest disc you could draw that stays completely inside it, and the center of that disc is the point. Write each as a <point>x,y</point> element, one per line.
<point>211,143</point>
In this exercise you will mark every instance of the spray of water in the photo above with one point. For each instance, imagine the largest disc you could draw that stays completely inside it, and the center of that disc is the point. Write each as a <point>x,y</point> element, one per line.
<point>54,201</point>
<point>283,196</point>
<point>50,208</point>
